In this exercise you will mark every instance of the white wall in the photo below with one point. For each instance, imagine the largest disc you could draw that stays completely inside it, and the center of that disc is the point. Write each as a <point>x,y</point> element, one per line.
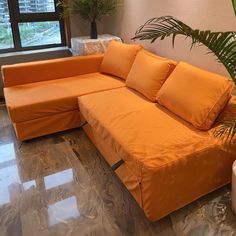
<point>81,27</point>
<point>216,15</point>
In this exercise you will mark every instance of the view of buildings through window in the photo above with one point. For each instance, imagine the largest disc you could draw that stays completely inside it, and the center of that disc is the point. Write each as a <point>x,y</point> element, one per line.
<point>31,33</point>
<point>36,6</point>
<point>6,40</point>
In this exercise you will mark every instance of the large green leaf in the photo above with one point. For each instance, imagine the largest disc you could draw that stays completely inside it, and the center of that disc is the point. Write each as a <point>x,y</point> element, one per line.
<point>222,44</point>
<point>227,129</point>
<point>234,5</point>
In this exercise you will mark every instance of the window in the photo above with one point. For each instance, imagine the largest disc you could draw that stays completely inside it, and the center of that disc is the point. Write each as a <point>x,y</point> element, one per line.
<point>30,24</point>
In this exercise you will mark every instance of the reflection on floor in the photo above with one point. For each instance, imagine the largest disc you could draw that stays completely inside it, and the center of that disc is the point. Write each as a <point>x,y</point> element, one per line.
<point>60,185</point>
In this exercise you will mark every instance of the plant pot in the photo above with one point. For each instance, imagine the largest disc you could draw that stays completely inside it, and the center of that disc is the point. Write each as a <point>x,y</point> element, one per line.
<point>93,32</point>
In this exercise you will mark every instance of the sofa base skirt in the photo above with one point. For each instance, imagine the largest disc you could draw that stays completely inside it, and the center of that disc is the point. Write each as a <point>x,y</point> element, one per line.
<point>130,181</point>
<point>47,125</point>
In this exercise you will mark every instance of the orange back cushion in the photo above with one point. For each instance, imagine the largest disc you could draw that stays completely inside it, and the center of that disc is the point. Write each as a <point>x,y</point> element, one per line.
<point>171,62</point>
<point>119,58</point>
<point>148,74</point>
<point>196,95</point>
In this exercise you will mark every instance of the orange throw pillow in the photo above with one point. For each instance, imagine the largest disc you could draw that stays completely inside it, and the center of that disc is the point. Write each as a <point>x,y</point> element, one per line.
<point>148,74</point>
<point>171,62</point>
<point>118,58</point>
<point>196,95</point>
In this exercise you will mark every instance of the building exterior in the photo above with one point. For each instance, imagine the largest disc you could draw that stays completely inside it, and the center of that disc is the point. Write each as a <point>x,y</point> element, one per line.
<point>36,6</point>
<point>4,15</point>
<point>26,6</point>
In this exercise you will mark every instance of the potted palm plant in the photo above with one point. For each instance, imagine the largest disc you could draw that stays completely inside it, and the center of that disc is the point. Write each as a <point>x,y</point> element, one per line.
<point>221,44</point>
<point>90,10</point>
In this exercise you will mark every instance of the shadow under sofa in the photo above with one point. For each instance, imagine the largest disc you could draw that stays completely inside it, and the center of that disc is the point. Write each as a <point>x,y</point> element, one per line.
<point>164,161</point>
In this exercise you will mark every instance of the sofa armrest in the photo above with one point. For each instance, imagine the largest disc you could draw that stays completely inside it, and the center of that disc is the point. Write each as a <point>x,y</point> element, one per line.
<point>31,72</point>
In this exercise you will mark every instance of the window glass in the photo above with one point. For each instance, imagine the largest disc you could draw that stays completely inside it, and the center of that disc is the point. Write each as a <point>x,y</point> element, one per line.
<point>36,6</point>
<point>40,33</point>
<point>20,29</point>
<point>6,39</point>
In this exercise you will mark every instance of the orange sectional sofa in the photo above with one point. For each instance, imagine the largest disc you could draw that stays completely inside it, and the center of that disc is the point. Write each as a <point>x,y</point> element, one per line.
<point>150,117</point>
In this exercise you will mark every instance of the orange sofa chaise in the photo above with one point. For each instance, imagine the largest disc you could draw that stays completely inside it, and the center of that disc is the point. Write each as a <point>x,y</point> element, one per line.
<point>41,97</point>
<point>150,117</point>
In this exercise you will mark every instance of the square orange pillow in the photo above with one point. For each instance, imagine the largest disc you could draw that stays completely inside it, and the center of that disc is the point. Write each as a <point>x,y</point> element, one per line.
<point>118,58</point>
<point>196,95</point>
<point>172,63</point>
<point>148,74</point>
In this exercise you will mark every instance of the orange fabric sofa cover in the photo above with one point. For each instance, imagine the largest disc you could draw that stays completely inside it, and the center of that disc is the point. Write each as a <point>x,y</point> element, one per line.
<point>41,97</point>
<point>168,163</point>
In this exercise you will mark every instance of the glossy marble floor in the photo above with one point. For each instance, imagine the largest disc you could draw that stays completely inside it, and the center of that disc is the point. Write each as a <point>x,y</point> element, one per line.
<point>60,185</point>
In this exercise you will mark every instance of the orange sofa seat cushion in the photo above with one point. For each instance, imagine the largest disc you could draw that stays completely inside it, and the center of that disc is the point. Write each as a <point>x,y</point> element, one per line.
<point>162,150</point>
<point>139,129</point>
<point>35,100</point>
<point>148,74</point>
<point>196,95</point>
<point>118,58</point>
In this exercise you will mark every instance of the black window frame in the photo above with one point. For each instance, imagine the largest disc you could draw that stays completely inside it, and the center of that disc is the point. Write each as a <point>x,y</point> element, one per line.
<point>16,17</point>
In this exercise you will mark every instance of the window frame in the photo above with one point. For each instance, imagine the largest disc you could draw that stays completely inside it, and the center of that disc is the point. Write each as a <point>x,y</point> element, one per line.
<point>17,17</point>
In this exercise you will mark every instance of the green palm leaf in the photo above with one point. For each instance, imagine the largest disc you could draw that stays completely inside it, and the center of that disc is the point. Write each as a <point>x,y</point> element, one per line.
<point>234,5</point>
<point>222,44</point>
<point>227,130</point>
